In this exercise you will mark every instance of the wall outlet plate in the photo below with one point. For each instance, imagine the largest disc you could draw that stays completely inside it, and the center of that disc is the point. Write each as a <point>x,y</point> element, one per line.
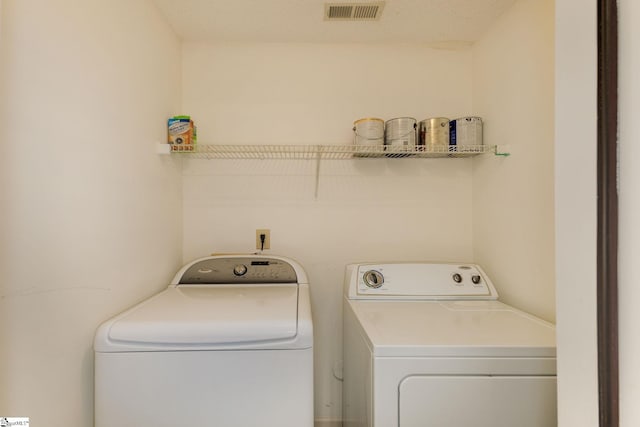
<point>267,238</point>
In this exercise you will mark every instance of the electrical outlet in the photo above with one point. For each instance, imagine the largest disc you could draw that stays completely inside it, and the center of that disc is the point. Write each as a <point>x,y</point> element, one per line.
<point>267,238</point>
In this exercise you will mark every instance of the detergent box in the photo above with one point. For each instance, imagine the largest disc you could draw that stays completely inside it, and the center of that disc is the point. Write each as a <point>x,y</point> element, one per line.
<point>182,133</point>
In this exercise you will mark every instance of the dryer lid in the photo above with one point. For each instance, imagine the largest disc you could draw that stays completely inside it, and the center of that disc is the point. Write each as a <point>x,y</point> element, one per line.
<point>452,329</point>
<point>202,316</point>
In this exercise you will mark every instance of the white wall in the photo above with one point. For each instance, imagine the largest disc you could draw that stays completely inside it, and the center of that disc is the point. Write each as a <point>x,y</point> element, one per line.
<point>629,295</point>
<point>576,216</point>
<point>67,256</point>
<point>91,218</point>
<point>366,210</point>
<point>513,206</point>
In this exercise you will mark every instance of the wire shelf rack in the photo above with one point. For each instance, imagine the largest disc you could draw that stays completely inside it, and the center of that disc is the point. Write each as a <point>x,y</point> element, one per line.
<point>327,152</point>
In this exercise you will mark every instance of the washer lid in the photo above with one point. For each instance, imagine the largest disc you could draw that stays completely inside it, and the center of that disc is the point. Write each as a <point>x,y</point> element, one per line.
<point>201,316</point>
<point>453,329</point>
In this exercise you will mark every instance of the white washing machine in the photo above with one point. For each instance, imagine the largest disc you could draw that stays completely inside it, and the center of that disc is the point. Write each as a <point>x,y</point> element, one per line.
<point>429,345</point>
<point>228,344</point>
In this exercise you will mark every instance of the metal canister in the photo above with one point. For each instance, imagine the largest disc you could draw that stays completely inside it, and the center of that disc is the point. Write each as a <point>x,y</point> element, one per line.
<point>368,131</point>
<point>466,134</point>
<point>400,134</point>
<point>434,134</point>
<point>368,137</point>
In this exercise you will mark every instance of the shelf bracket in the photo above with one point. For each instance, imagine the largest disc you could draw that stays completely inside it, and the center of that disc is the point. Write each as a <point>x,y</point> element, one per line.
<point>498,152</point>
<point>163,148</point>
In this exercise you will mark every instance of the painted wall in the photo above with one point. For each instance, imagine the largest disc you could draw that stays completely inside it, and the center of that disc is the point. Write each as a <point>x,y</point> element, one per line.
<point>77,209</point>
<point>513,206</point>
<point>629,295</point>
<point>91,218</point>
<point>576,216</point>
<point>366,210</point>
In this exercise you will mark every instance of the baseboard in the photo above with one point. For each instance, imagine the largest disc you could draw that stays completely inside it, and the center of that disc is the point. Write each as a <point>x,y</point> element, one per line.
<point>327,423</point>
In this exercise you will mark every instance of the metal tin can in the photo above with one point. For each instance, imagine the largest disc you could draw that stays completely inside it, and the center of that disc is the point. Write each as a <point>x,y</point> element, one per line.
<point>434,134</point>
<point>368,131</point>
<point>466,134</point>
<point>400,134</point>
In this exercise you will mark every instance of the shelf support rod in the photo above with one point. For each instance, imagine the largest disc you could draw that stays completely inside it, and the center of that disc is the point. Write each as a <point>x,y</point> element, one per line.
<point>318,156</point>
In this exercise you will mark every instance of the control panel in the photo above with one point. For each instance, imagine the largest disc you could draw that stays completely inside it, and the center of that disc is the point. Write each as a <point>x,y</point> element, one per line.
<point>239,270</point>
<point>420,281</point>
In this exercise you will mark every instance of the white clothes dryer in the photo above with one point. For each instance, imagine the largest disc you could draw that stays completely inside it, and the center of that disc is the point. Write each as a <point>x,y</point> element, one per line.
<point>429,345</point>
<point>228,344</point>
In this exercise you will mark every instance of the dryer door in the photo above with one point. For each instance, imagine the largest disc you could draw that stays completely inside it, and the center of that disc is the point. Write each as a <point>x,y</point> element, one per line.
<point>478,401</point>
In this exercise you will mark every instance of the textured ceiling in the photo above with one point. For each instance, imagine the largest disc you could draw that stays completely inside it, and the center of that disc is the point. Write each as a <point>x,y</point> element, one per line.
<point>410,21</point>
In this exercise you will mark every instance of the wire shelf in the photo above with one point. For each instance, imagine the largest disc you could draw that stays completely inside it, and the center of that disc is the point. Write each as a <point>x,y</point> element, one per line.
<point>327,152</point>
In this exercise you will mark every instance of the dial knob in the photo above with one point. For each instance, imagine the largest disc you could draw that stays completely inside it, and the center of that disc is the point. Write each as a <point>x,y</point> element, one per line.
<point>457,278</point>
<point>240,270</point>
<point>373,279</point>
<point>476,279</point>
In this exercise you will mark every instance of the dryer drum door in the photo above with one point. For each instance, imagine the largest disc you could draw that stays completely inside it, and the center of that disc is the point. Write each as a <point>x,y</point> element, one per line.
<point>479,401</point>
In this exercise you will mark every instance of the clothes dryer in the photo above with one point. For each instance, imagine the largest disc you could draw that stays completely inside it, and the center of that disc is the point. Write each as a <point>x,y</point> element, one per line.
<point>430,345</point>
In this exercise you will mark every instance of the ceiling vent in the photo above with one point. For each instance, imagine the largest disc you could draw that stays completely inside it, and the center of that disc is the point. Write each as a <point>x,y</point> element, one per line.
<point>353,11</point>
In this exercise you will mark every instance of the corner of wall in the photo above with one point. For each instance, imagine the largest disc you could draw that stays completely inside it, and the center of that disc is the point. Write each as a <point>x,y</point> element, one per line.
<point>513,90</point>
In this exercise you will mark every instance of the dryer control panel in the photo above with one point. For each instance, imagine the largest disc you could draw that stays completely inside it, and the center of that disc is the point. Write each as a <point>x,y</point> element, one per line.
<point>423,280</point>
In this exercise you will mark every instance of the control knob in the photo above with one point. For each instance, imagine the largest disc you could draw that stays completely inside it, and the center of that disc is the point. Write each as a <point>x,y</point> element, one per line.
<point>373,279</point>
<point>240,270</point>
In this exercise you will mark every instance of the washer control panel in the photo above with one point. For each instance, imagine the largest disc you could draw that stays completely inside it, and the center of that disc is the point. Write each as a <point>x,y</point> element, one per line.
<point>420,281</point>
<point>238,271</point>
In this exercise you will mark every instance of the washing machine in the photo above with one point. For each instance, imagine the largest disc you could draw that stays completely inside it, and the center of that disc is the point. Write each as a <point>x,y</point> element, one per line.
<point>229,343</point>
<point>430,345</point>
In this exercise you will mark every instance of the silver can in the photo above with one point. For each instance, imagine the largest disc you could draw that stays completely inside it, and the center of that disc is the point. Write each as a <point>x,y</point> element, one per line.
<point>466,134</point>
<point>368,131</point>
<point>400,135</point>
<point>368,136</point>
<point>434,135</point>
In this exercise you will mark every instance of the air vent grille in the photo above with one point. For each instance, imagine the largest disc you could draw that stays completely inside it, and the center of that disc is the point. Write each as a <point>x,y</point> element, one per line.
<point>353,11</point>
<point>340,12</point>
<point>365,12</point>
